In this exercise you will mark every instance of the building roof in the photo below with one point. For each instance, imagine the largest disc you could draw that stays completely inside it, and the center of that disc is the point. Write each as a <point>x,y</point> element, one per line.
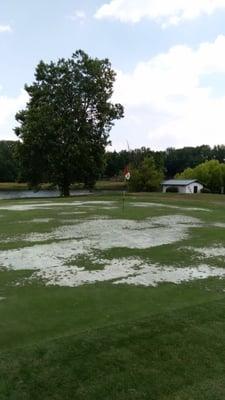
<point>178,182</point>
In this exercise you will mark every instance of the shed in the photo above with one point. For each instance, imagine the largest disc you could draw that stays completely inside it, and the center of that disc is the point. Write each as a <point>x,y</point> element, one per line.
<point>183,185</point>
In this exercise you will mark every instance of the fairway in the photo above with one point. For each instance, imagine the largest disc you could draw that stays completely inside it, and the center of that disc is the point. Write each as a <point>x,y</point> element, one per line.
<point>100,301</point>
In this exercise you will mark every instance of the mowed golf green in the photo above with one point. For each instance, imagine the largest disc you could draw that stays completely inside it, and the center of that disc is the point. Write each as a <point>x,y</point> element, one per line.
<point>100,301</point>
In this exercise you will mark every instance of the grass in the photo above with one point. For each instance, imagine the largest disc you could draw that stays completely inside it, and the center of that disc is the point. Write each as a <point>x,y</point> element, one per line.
<point>100,185</point>
<point>13,186</point>
<point>8,186</point>
<point>110,185</point>
<point>105,341</point>
<point>144,359</point>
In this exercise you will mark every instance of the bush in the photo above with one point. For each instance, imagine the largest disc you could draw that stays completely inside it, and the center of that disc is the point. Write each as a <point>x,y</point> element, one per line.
<point>205,190</point>
<point>172,189</point>
<point>145,178</point>
<point>210,173</point>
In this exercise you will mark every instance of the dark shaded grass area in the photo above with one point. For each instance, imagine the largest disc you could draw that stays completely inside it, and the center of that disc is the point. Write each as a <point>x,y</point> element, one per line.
<point>173,355</point>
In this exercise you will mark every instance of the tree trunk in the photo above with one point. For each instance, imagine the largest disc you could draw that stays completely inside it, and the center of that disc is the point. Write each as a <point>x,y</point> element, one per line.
<point>65,190</point>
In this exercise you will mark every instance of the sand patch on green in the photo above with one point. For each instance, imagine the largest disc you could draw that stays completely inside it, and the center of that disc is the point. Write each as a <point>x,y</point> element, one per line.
<point>52,261</point>
<point>49,205</point>
<point>162,205</point>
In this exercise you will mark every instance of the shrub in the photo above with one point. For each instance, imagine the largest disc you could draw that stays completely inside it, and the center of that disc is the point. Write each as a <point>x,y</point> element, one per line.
<point>172,189</point>
<point>145,178</point>
<point>205,190</point>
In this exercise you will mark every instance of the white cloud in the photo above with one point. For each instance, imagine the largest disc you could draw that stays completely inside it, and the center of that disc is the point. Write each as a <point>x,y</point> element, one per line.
<point>163,11</point>
<point>8,108</point>
<point>167,104</point>
<point>78,15</point>
<point>5,28</point>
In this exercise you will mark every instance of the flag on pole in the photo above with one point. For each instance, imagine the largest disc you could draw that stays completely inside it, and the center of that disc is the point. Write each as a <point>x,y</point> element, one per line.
<point>126,173</point>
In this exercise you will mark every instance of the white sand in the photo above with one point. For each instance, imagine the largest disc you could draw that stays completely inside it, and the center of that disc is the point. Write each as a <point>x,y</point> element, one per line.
<point>208,252</point>
<point>36,221</point>
<point>153,275</point>
<point>219,224</point>
<point>74,276</point>
<point>92,203</point>
<point>41,256</point>
<point>163,205</point>
<point>48,205</point>
<point>73,212</point>
<point>109,233</point>
<point>50,260</point>
<point>126,271</point>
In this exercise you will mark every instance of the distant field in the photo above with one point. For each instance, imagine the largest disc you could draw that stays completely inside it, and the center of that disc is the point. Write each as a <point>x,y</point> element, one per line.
<point>100,185</point>
<point>101,301</point>
<point>12,186</point>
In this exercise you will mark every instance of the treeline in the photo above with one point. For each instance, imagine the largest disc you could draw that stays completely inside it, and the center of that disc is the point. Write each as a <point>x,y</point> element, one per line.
<point>169,162</point>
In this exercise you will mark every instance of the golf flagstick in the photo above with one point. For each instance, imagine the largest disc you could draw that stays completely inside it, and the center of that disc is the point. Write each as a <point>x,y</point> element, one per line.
<point>127,178</point>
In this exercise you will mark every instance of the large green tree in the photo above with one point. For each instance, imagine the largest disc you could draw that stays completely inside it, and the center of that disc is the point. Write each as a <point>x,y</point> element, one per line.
<point>176,160</point>
<point>65,126</point>
<point>210,173</point>
<point>116,162</point>
<point>147,177</point>
<point>8,163</point>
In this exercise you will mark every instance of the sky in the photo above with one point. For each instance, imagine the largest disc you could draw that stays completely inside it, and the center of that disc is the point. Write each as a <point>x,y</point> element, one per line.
<point>169,56</point>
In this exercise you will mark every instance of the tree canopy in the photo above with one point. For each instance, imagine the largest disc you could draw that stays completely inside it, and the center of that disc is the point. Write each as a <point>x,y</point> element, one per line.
<point>210,173</point>
<point>172,160</point>
<point>8,163</point>
<point>176,160</point>
<point>65,126</point>
<point>117,161</point>
<point>146,177</point>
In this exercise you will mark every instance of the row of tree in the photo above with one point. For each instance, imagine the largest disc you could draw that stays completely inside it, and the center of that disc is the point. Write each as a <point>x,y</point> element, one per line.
<point>171,161</point>
<point>203,163</point>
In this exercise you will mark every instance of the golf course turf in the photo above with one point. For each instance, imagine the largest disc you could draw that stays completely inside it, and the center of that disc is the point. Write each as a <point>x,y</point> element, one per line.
<point>98,302</point>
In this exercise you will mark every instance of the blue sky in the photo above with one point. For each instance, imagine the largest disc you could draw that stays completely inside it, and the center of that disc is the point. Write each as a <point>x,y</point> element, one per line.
<point>169,56</point>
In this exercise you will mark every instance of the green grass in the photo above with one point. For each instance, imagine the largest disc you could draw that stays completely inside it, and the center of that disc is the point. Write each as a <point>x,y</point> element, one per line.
<point>110,185</point>
<point>100,185</point>
<point>173,354</point>
<point>13,186</point>
<point>22,186</point>
<point>104,341</point>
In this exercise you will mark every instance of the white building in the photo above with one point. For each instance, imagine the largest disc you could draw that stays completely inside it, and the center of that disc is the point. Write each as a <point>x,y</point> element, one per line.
<point>182,185</point>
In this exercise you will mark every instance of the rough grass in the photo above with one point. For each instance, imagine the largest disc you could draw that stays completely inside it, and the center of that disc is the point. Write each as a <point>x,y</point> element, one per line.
<point>108,342</point>
<point>13,186</point>
<point>100,185</point>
